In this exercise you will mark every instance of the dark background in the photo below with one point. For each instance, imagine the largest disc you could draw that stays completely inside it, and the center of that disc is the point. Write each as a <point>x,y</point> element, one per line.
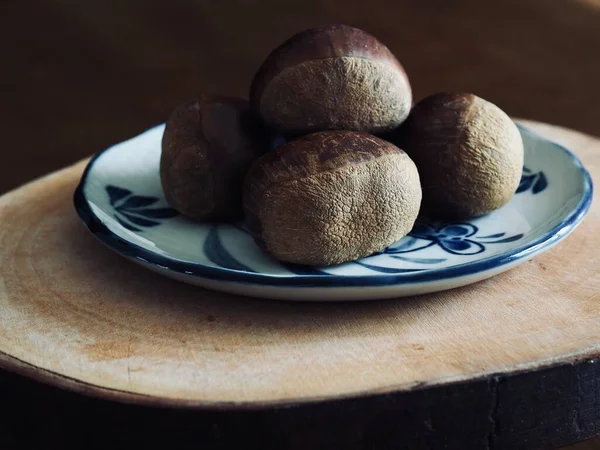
<point>77,76</point>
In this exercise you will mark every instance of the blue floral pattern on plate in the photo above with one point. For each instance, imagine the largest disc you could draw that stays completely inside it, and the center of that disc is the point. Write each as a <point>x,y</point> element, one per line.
<point>454,238</point>
<point>536,181</point>
<point>131,210</point>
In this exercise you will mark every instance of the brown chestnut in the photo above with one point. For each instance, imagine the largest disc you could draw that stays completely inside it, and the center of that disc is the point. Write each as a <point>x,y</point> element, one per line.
<point>468,151</point>
<point>330,78</point>
<point>207,147</point>
<point>331,197</point>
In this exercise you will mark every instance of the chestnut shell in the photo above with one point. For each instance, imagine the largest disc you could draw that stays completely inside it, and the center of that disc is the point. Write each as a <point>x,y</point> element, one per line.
<point>331,197</point>
<point>468,151</point>
<point>332,77</point>
<point>207,147</point>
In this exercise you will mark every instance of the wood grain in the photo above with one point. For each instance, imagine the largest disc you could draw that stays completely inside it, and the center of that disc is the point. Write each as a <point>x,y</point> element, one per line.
<point>74,314</point>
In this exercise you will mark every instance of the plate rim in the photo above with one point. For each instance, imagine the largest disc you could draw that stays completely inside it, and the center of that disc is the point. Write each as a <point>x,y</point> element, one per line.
<point>147,257</point>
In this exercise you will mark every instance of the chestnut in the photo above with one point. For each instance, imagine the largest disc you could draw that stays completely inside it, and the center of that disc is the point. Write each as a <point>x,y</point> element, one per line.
<point>331,78</point>
<point>207,147</point>
<point>331,197</point>
<point>468,151</point>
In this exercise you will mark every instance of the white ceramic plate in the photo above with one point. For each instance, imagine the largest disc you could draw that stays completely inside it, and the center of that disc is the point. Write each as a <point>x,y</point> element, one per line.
<point>121,202</point>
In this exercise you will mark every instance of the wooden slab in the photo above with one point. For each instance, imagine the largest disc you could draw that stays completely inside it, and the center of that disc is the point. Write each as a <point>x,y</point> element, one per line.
<point>75,314</point>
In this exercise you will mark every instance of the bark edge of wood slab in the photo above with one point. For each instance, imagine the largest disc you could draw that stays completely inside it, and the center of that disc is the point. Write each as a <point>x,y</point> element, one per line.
<point>76,315</point>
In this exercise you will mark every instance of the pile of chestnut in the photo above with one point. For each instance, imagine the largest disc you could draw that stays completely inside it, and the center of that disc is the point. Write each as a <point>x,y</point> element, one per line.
<point>330,161</point>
